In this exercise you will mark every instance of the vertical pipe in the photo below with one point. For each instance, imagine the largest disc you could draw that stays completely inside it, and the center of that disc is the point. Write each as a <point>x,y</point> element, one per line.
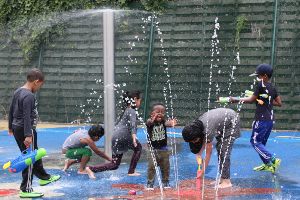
<point>108,59</point>
<point>274,35</point>
<point>149,65</point>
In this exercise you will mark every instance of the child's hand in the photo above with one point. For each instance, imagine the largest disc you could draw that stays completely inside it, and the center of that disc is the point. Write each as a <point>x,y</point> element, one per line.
<point>199,174</point>
<point>28,141</point>
<point>172,122</point>
<point>10,132</point>
<point>134,143</point>
<point>154,116</point>
<point>260,102</point>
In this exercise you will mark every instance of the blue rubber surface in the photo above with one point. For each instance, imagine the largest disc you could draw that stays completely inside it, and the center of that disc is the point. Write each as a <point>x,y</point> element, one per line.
<point>244,158</point>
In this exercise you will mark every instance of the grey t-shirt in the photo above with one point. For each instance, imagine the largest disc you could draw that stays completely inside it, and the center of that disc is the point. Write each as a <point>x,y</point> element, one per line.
<point>73,141</point>
<point>23,111</point>
<point>221,122</point>
<point>122,136</point>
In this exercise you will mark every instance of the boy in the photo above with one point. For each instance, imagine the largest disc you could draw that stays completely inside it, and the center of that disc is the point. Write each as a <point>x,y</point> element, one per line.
<point>23,117</point>
<point>224,125</point>
<point>157,139</point>
<point>265,96</point>
<point>74,148</point>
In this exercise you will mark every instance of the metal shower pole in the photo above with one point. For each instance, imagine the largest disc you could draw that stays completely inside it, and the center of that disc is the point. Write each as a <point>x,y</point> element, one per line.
<point>109,96</point>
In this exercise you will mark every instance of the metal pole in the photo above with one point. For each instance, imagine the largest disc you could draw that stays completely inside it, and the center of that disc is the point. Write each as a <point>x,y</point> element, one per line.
<point>149,65</point>
<point>274,35</point>
<point>109,97</point>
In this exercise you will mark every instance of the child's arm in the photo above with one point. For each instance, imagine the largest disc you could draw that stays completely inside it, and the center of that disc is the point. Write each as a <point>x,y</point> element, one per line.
<point>277,101</point>
<point>133,126</point>
<point>171,122</point>
<point>10,119</point>
<point>149,122</point>
<point>208,148</point>
<point>250,99</point>
<point>134,139</point>
<point>93,146</point>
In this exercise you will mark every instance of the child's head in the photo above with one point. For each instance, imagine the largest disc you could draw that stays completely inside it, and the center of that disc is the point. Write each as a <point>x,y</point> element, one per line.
<point>132,99</point>
<point>193,132</point>
<point>158,110</point>
<point>36,78</point>
<point>96,132</point>
<point>263,72</point>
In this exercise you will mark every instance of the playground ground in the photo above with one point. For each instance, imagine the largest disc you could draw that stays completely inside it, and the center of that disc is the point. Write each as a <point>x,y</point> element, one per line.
<point>285,184</point>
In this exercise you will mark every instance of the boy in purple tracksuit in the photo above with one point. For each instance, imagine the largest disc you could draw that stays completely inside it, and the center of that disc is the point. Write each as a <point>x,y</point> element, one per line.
<point>265,96</point>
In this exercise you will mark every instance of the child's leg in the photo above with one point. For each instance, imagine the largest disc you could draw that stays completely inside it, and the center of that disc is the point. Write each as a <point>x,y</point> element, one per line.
<point>69,162</point>
<point>164,165</point>
<point>151,169</point>
<point>260,134</point>
<point>224,153</point>
<point>224,148</point>
<point>38,168</point>
<point>135,158</point>
<point>108,166</point>
<point>83,169</point>
<point>83,162</point>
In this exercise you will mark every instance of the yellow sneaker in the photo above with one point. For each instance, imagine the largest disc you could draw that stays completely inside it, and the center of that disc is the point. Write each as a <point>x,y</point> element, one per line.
<point>264,167</point>
<point>276,164</point>
<point>50,180</point>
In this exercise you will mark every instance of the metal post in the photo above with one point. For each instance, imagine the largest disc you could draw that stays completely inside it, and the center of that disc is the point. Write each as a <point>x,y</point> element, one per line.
<point>109,97</point>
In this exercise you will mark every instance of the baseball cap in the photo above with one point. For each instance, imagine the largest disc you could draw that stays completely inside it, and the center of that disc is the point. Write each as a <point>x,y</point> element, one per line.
<point>263,69</point>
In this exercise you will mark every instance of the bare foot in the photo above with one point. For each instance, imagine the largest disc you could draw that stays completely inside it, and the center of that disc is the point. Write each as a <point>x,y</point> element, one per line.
<point>225,183</point>
<point>68,163</point>
<point>88,172</point>
<point>134,174</point>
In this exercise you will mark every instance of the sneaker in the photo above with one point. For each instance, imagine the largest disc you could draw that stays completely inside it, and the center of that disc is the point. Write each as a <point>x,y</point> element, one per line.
<point>30,194</point>
<point>149,186</point>
<point>50,180</point>
<point>259,168</point>
<point>276,163</point>
<point>264,167</point>
<point>166,185</point>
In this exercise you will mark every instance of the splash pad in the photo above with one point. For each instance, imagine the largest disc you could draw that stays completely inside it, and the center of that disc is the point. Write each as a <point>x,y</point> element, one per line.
<point>187,190</point>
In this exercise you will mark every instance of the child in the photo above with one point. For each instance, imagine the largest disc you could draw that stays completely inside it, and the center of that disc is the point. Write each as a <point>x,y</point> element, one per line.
<point>75,148</point>
<point>124,136</point>
<point>265,96</point>
<point>224,125</point>
<point>157,139</point>
<point>23,117</point>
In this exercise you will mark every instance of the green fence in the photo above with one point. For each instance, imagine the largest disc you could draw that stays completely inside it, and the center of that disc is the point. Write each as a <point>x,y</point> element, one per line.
<point>179,61</point>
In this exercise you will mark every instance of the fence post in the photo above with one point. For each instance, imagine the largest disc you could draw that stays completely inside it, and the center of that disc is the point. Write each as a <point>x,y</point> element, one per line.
<point>274,35</point>
<point>149,65</point>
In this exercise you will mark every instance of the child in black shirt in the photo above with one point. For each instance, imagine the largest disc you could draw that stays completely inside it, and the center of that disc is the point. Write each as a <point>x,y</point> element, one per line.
<point>23,117</point>
<point>157,140</point>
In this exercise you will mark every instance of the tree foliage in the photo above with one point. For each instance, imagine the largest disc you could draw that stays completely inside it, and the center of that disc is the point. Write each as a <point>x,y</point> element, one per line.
<point>23,21</point>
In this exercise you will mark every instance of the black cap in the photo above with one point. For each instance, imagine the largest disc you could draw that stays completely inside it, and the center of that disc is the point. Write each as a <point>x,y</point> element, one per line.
<point>263,69</point>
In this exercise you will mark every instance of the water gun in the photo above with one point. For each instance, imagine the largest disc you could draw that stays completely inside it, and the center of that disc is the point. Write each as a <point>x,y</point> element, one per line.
<point>199,172</point>
<point>247,93</point>
<point>26,158</point>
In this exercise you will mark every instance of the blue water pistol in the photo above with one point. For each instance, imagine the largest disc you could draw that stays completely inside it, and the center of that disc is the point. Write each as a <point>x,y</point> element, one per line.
<point>27,158</point>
